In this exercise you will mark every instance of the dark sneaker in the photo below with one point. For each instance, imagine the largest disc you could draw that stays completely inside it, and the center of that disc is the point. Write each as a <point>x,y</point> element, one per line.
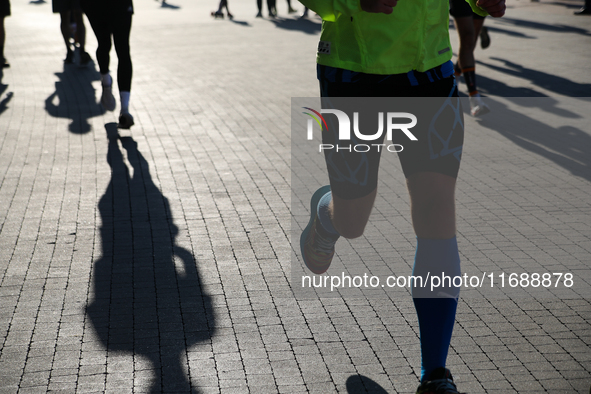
<point>4,63</point>
<point>440,382</point>
<point>107,98</point>
<point>316,245</point>
<point>125,120</point>
<point>484,38</point>
<point>84,59</point>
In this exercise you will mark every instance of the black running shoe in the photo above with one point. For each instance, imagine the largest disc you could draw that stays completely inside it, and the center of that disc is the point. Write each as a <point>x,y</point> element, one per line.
<point>125,120</point>
<point>484,38</point>
<point>440,382</point>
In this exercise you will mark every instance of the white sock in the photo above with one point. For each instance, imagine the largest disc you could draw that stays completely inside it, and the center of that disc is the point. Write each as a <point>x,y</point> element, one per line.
<point>124,101</point>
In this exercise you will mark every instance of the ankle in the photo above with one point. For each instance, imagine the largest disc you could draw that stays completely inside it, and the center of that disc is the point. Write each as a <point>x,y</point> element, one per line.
<point>106,80</point>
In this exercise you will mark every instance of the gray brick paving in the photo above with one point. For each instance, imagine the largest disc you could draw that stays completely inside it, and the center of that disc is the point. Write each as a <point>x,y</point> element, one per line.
<point>160,261</point>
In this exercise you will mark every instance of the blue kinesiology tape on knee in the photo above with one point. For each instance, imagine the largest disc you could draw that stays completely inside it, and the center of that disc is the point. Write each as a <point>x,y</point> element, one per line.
<point>436,311</point>
<point>323,213</point>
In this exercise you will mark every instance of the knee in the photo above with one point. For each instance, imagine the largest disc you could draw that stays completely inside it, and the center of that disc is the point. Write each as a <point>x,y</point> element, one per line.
<point>467,38</point>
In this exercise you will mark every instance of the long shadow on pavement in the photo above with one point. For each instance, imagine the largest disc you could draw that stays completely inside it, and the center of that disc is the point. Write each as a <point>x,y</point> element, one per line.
<point>305,25</point>
<point>510,33</point>
<point>544,26</point>
<point>75,97</point>
<point>566,5</point>
<point>553,83</point>
<point>170,6</point>
<point>566,146</point>
<point>4,102</point>
<point>362,384</point>
<point>148,300</point>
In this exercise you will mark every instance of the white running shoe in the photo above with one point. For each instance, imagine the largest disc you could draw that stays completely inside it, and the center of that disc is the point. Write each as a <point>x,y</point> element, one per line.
<point>477,106</point>
<point>107,98</point>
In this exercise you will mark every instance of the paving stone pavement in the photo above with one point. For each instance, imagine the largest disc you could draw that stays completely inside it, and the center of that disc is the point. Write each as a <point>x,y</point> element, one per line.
<point>159,259</point>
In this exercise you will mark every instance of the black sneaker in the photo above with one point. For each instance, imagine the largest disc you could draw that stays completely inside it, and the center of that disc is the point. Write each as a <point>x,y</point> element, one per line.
<point>4,63</point>
<point>125,120</point>
<point>484,38</point>
<point>440,382</point>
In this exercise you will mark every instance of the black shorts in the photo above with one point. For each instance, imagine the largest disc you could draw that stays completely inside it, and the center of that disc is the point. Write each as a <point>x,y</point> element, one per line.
<point>431,97</point>
<point>60,6</point>
<point>462,9</point>
<point>4,8</point>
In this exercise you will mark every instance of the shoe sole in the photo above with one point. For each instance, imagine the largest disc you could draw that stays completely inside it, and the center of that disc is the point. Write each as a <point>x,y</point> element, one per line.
<point>313,209</point>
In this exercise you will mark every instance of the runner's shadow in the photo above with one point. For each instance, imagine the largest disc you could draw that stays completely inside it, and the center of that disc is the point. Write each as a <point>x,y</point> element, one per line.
<point>75,97</point>
<point>304,25</point>
<point>170,6</point>
<point>544,80</point>
<point>147,294</point>
<point>241,23</point>
<point>362,384</point>
<point>510,33</point>
<point>566,5</point>
<point>492,87</point>
<point>4,102</point>
<point>557,28</point>
<point>566,146</point>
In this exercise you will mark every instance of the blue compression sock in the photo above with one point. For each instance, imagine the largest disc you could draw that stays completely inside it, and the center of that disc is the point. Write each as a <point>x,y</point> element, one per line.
<point>323,213</point>
<point>436,315</point>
